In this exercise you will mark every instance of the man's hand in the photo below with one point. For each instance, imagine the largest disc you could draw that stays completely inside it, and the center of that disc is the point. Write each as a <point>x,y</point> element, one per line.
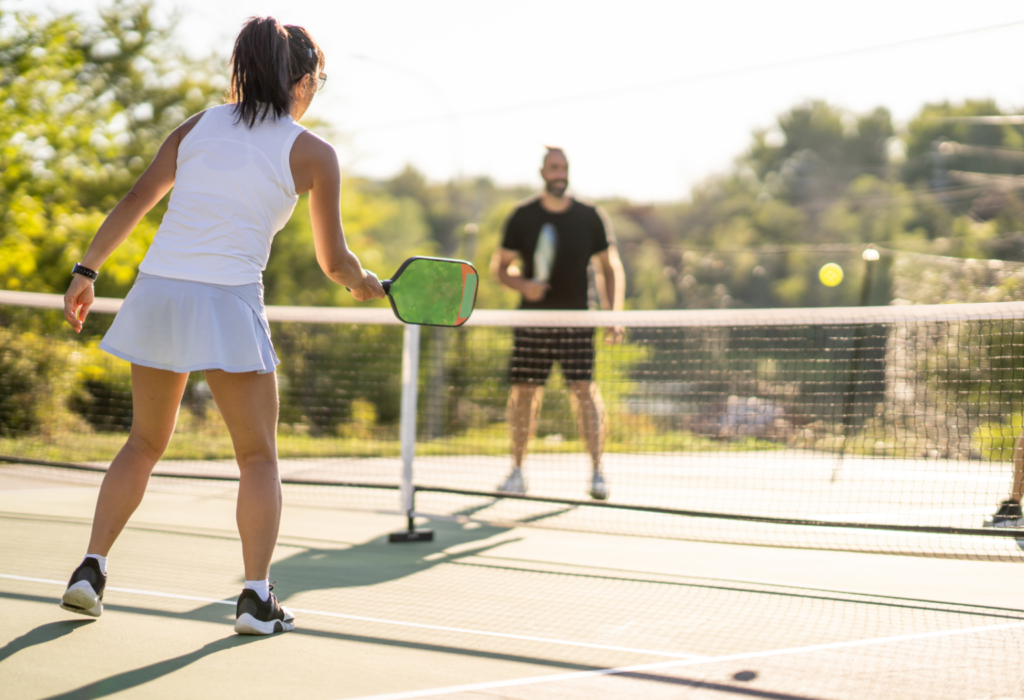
<point>613,335</point>
<point>533,290</point>
<point>77,301</point>
<point>370,288</point>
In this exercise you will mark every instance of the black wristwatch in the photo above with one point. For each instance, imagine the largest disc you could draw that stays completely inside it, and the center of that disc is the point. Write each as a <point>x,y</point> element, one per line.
<point>80,269</point>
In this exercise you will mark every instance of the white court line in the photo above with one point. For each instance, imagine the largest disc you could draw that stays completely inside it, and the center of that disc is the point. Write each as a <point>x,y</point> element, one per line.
<point>578,675</point>
<point>360,618</point>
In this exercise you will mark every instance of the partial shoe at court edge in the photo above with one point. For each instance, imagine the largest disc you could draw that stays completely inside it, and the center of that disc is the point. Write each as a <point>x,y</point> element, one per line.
<point>1008,515</point>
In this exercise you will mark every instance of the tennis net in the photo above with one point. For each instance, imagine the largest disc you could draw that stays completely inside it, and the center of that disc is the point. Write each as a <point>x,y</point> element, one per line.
<point>872,429</point>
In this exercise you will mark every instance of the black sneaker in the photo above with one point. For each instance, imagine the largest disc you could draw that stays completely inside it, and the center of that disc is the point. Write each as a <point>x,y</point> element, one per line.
<point>255,616</point>
<point>1008,515</point>
<point>85,589</point>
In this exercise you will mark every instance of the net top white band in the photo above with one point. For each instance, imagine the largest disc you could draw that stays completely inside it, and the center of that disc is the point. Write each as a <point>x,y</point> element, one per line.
<point>631,319</point>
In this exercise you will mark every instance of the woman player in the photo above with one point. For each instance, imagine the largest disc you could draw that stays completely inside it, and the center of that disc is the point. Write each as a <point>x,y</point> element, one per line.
<point>237,171</point>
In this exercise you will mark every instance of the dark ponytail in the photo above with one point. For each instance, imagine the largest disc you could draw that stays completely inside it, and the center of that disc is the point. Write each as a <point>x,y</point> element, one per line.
<point>267,62</point>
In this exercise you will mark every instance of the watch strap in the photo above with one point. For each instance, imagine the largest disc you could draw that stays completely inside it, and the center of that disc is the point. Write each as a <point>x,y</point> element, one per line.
<point>80,269</point>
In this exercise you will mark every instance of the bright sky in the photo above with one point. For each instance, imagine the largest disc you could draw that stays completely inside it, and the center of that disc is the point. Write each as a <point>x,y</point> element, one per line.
<point>634,92</point>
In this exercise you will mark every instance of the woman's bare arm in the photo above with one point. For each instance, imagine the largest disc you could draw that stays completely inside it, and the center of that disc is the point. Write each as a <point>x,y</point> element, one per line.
<point>315,170</point>
<point>152,185</point>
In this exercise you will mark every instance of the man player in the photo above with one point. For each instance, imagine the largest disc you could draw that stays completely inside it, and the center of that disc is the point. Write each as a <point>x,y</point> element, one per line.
<point>552,239</point>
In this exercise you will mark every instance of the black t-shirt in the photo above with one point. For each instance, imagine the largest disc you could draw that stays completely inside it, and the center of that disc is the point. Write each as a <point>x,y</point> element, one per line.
<point>580,233</point>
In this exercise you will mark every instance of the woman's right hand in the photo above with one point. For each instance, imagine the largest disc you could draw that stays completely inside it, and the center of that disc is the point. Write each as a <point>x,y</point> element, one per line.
<point>370,288</point>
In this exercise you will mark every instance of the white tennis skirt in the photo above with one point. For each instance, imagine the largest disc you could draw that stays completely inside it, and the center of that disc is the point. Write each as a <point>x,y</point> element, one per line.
<point>185,326</point>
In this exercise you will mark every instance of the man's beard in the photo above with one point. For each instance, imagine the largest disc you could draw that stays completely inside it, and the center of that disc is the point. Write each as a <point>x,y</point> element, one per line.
<point>556,188</point>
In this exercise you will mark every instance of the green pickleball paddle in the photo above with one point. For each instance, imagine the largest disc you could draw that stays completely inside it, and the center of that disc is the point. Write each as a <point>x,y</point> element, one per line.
<point>433,291</point>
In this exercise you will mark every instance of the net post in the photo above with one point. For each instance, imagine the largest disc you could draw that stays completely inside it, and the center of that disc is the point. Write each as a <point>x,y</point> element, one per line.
<point>407,434</point>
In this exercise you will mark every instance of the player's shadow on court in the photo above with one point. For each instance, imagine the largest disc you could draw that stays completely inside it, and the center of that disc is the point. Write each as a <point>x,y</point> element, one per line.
<point>140,676</point>
<point>379,561</point>
<point>41,635</point>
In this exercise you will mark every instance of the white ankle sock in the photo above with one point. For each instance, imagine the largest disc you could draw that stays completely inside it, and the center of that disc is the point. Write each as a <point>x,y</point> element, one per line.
<point>102,562</point>
<point>262,588</point>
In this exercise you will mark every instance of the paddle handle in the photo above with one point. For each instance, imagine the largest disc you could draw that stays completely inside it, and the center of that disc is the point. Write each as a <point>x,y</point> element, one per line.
<point>384,283</point>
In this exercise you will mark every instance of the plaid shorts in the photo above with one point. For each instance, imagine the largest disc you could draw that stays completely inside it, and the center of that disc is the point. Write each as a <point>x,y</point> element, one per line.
<point>534,350</point>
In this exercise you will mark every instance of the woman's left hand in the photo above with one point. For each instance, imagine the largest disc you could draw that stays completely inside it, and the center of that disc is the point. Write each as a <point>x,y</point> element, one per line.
<point>77,301</point>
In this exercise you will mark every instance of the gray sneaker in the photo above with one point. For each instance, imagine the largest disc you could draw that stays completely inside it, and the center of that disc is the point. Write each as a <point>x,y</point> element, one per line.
<point>598,488</point>
<point>515,483</point>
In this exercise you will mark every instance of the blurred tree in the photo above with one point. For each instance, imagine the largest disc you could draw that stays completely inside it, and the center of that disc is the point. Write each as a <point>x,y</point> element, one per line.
<point>449,206</point>
<point>816,186</point>
<point>873,210</point>
<point>820,151</point>
<point>936,124</point>
<point>85,104</point>
<point>83,108</point>
<point>966,162</point>
<point>382,230</point>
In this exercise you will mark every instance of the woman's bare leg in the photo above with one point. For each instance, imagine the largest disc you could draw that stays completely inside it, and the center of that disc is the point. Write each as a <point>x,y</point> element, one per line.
<point>248,402</point>
<point>156,396</point>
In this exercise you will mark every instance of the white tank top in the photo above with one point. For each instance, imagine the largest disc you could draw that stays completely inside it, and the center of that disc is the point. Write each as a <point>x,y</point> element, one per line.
<point>233,192</point>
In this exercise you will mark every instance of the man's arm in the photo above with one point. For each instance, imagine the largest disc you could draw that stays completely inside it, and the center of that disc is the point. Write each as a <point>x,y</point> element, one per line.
<point>530,289</point>
<point>610,278</point>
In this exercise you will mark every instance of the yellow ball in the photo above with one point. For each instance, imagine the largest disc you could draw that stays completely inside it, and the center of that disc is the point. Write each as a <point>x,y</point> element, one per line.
<point>830,274</point>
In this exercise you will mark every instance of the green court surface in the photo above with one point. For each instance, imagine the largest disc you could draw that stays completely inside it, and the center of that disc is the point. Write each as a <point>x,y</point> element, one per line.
<point>484,611</point>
